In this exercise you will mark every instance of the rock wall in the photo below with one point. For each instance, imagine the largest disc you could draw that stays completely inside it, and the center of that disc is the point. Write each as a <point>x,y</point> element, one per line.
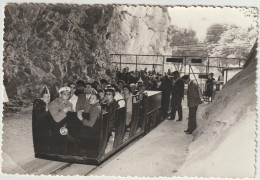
<point>224,143</point>
<point>139,30</point>
<point>53,44</point>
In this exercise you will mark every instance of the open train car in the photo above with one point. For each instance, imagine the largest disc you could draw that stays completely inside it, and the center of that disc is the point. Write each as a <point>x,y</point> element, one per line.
<point>71,141</point>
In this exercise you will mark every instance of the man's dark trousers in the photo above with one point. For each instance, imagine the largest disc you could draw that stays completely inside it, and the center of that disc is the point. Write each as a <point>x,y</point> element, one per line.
<point>165,103</point>
<point>176,107</point>
<point>192,124</point>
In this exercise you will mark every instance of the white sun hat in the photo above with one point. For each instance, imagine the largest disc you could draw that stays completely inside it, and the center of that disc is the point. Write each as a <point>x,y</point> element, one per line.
<point>64,89</point>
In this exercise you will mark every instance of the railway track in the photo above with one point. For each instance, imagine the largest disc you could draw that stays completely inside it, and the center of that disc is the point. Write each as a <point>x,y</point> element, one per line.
<point>83,169</point>
<point>74,169</point>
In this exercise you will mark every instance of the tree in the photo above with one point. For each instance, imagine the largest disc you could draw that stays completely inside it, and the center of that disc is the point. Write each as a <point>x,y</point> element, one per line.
<point>181,36</point>
<point>214,33</point>
<point>235,42</point>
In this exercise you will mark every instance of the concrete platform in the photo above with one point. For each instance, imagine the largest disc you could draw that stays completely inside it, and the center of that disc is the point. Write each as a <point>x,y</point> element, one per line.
<point>159,153</point>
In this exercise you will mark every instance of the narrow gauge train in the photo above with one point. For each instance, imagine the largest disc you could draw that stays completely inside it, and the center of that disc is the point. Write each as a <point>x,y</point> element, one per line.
<point>71,141</point>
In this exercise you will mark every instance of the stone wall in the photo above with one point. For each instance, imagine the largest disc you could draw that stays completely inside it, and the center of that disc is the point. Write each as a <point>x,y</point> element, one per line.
<point>139,30</point>
<point>47,44</point>
<point>51,44</point>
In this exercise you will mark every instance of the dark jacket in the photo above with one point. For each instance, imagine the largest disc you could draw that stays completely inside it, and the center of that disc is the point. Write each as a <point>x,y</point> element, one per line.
<point>193,95</point>
<point>111,110</point>
<point>177,92</point>
<point>83,103</point>
<point>166,85</point>
<point>94,112</point>
<point>78,92</point>
<point>39,110</point>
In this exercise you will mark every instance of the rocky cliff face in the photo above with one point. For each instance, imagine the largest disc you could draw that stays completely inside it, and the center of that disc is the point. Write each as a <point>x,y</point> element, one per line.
<point>224,142</point>
<point>139,30</point>
<point>53,44</point>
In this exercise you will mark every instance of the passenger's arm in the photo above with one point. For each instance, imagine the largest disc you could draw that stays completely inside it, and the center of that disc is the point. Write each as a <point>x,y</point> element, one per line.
<point>79,103</point>
<point>56,113</point>
<point>92,118</point>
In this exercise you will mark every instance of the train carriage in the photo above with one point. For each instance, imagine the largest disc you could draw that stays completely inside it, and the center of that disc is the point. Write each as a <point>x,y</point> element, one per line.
<point>71,141</point>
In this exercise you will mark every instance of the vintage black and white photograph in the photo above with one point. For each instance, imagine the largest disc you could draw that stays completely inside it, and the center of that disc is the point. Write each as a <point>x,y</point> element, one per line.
<point>129,90</point>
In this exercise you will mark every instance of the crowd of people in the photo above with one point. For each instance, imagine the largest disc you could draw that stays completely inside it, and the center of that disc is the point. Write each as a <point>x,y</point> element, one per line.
<point>89,99</point>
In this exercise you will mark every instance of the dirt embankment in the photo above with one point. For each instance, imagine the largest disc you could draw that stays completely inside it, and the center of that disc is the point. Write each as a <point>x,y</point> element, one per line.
<point>224,143</point>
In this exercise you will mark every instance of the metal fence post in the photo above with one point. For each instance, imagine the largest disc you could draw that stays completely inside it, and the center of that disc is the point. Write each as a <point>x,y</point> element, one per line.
<point>120,62</point>
<point>163,66</point>
<point>136,63</point>
<point>207,69</point>
<point>185,64</point>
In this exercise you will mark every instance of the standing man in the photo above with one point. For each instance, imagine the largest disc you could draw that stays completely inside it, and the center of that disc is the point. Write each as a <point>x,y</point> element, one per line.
<point>177,95</point>
<point>193,97</point>
<point>166,86</point>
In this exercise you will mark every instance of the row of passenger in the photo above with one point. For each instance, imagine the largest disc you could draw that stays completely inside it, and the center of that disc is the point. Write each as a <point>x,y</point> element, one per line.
<point>88,102</point>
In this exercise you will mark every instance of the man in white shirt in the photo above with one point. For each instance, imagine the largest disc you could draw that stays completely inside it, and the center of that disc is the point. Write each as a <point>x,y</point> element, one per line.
<point>73,99</point>
<point>118,96</point>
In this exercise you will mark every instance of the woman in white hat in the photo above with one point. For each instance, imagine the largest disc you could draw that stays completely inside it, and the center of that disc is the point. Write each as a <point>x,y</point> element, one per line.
<point>60,106</point>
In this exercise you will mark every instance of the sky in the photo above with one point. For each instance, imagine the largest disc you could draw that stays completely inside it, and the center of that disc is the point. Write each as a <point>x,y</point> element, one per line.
<point>201,18</point>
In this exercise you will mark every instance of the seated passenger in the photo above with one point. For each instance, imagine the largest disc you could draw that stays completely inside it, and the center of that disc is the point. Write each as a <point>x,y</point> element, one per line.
<point>73,98</point>
<point>111,107</point>
<point>118,96</point>
<point>101,94</point>
<point>94,111</point>
<point>40,106</point>
<point>80,88</point>
<point>129,103</point>
<point>96,85</point>
<point>103,84</point>
<point>84,99</point>
<point>120,83</point>
<point>133,89</point>
<point>141,92</point>
<point>60,106</point>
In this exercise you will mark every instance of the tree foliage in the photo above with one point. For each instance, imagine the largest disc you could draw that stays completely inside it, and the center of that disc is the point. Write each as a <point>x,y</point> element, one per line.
<point>214,33</point>
<point>181,36</point>
<point>234,42</point>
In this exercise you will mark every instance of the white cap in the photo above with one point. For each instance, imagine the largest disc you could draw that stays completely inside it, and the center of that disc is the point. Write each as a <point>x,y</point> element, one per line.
<point>140,80</point>
<point>132,84</point>
<point>64,89</point>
